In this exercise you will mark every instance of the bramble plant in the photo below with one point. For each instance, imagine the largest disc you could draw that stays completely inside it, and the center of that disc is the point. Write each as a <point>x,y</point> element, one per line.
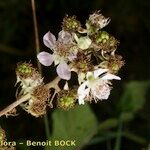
<point>90,52</point>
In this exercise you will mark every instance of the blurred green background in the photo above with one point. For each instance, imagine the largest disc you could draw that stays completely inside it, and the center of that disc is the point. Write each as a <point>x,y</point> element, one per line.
<point>123,121</point>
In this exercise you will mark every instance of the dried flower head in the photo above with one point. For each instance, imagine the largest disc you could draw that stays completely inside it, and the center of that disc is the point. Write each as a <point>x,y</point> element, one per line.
<point>38,101</point>
<point>82,63</point>
<point>41,93</point>
<point>98,20</point>
<point>70,24</point>
<point>37,109</point>
<point>114,63</point>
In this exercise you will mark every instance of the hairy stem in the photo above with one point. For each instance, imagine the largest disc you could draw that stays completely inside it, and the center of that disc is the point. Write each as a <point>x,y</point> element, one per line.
<point>52,84</point>
<point>14,104</point>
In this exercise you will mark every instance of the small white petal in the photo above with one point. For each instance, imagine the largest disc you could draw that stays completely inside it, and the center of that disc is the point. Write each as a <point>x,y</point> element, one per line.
<point>66,87</point>
<point>99,72</point>
<point>82,93</point>
<point>63,71</point>
<point>109,76</point>
<point>76,37</point>
<point>81,88</point>
<point>45,58</point>
<point>89,74</point>
<point>49,40</point>
<point>104,22</point>
<point>81,100</point>
<point>81,77</point>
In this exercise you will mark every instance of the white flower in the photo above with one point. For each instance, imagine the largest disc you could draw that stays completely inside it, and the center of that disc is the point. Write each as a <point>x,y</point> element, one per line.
<point>47,59</point>
<point>96,87</point>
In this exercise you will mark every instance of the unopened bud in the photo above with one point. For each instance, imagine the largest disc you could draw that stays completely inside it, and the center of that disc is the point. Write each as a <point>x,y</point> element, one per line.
<point>70,24</point>
<point>66,99</point>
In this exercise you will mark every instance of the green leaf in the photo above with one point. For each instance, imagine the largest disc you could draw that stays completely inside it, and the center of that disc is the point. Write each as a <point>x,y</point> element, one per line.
<point>78,124</point>
<point>134,96</point>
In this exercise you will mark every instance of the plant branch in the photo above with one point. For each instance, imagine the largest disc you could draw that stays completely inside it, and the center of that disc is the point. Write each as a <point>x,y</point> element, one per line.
<point>35,26</point>
<point>37,43</point>
<point>6,110</point>
<point>52,84</point>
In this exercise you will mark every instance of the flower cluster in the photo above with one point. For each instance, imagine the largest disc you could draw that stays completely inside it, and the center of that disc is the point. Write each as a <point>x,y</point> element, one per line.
<point>90,52</point>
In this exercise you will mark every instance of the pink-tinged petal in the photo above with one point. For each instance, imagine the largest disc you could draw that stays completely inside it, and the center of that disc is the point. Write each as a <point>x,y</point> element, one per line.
<point>101,91</point>
<point>45,58</point>
<point>64,37</point>
<point>99,72</point>
<point>109,76</point>
<point>49,40</point>
<point>63,71</point>
<point>73,55</point>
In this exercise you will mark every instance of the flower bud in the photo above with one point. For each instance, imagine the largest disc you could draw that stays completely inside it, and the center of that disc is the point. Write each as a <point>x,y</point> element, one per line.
<point>66,99</point>
<point>114,64</point>
<point>70,24</point>
<point>28,76</point>
<point>105,43</point>
<point>102,37</point>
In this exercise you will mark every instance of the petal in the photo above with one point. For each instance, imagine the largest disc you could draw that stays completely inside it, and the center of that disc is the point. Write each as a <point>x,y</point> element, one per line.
<point>84,42</point>
<point>81,100</point>
<point>99,72</point>
<point>64,37</point>
<point>81,77</point>
<point>45,58</point>
<point>104,22</point>
<point>82,92</point>
<point>66,87</point>
<point>49,40</point>
<point>109,76</point>
<point>63,71</point>
<point>102,92</point>
<point>82,88</point>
